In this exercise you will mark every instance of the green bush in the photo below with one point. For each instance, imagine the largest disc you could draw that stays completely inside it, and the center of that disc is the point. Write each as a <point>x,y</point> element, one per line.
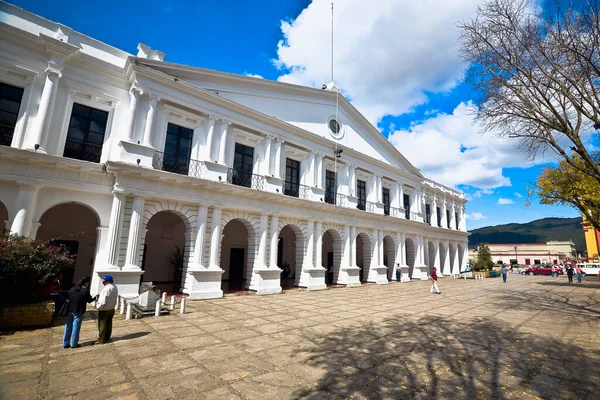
<point>28,266</point>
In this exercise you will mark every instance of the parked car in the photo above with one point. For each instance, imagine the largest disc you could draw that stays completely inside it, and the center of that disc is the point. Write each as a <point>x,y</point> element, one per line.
<point>592,269</point>
<point>546,270</point>
<point>526,270</point>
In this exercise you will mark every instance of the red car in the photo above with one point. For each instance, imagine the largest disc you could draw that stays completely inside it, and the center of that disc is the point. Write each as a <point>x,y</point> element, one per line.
<point>545,270</point>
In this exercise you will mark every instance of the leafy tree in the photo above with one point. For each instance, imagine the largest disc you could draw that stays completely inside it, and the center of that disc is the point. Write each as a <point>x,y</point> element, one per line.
<point>536,75</point>
<point>484,258</point>
<point>567,185</point>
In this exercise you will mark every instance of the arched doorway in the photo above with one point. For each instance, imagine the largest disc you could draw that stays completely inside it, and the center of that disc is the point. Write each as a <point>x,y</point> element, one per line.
<point>452,257</point>
<point>163,259</point>
<point>410,255</point>
<point>442,251</point>
<point>389,256</point>
<point>363,255</point>
<point>289,255</point>
<point>461,256</point>
<point>236,256</point>
<point>331,255</point>
<point>73,226</point>
<point>3,217</point>
<point>431,258</point>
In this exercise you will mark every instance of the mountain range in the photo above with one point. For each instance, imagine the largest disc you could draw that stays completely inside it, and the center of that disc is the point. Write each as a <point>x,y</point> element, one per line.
<point>538,231</point>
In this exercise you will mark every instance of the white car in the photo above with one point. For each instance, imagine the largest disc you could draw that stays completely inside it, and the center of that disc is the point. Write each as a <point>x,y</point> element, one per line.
<point>589,268</point>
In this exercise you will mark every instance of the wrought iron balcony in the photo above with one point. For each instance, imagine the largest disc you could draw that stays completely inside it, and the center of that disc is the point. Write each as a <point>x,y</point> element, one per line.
<point>291,189</point>
<point>6,135</point>
<point>330,197</point>
<point>386,209</point>
<point>340,199</point>
<point>304,191</point>
<point>415,216</point>
<point>397,212</point>
<point>246,179</point>
<point>370,206</point>
<point>362,204</point>
<point>171,163</point>
<point>81,150</point>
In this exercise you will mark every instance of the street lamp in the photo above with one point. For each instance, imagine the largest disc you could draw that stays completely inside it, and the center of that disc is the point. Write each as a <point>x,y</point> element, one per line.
<point>516,256</point>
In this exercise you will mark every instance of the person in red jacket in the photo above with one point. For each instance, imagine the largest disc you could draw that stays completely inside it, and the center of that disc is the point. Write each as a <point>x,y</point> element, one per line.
<point>434,278</point>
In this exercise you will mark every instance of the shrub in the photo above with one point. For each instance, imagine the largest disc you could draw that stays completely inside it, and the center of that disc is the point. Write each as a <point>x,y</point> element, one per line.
<point>28,266</point>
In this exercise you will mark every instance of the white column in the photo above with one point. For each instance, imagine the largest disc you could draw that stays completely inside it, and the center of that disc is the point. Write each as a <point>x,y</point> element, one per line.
<point>26,201</point>
<point>319,171</point>
<point>133,240</point>
<point>266,156</point>
<point>277,167</point>
<point>198,260</point>
<point>352,180</point>
<point>224,141</point>
<point>150,117</point>
<point>346,261</point>
<point>375,255</point>
<point>46,102</point>
<point>262,241</point>
<point>463,222</point>
<point>399,248</point>
<point>319,245</point>
<point>215,238</point>
<point>274,241</point>
<point>353,246</point>
<point>436,261</point>
<point>114,228</point>
<point>444,219</point>
<point>434,212</point>
<point>401,195</point>
<point>422,249</point>
<point>210,138</point>
<point>379,189</point>
<point>134,97</point>
<point>453,217</point>
<point>309,259</point>
<point>309,169</point>
<point>380,244</point>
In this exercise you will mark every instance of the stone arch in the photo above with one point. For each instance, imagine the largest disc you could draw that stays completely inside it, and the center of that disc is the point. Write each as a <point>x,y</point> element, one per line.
<point>39,213</point>
<point>364,255</point>
<point>3,217</point>
<point>452,257</point>
<point>331,243</point>
<point>411,255</point>
<point>99,204</point>
<point>389,255</point>
<point>250,220</point>
<point>292,251</point>
<point>432,256</point>
<point>443,256</point>
<point>234,238</point>
<point>74,226</point>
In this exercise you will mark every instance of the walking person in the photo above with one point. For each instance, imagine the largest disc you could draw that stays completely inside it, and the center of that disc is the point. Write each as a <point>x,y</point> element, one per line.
<point>504,272</point>
<point>570,273</point>
<point>397,272</point>
<point>579,273</point>
<point>434,279</point>
<point>77,299</point>
<point>107,301</point>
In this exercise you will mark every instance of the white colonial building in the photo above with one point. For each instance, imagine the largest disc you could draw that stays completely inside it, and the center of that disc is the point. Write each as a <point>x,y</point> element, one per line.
<point>203,180</point>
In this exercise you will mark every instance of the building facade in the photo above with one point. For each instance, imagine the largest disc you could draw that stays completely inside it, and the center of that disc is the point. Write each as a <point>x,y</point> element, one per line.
<point>160,172</point>
<point>551,252</point>
<point>592,242</point>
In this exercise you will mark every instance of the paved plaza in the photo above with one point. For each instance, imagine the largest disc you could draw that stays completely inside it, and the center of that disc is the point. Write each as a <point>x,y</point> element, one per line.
<point>536,337</point>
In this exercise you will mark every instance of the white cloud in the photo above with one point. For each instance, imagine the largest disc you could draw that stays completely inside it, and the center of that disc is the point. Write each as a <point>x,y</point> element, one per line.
<point>519,195</point>
<point>387,57</point>
<point>253,75</point>
<point>474,216</point>
<point>505,201</point>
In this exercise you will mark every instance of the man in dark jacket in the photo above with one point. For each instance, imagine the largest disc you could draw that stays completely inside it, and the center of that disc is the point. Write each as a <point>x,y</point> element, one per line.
<point>78,297</point>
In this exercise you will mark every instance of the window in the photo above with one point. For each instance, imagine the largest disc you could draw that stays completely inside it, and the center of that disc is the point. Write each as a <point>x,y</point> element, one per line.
<point>292,178</point>
<point>448,218</point>
<point>85,136</point>
<point>513,261</point>
<point>537,262</point>
<point>386,201</point>
<point>243,163</point>
<point>528,261</point>
<point>330,187</point>
<point>10,102</point>
<point>428,214</point>
<point>407,206</point>
<point>178,147</point>
<point>456,220</point>
<point>438,213</point>
<point>361,188</point>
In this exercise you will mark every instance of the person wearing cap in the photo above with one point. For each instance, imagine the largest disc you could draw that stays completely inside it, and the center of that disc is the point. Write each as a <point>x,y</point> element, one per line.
<point>107,301</point>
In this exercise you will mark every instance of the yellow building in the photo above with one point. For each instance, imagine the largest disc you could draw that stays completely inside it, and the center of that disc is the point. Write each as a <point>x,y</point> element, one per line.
<point>592,241</point>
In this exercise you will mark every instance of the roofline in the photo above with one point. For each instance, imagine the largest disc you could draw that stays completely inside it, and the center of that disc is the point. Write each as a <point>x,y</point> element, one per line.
<point>284,86</point>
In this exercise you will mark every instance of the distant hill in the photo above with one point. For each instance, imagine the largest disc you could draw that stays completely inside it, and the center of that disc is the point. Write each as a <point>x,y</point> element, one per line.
<point>538,231</point>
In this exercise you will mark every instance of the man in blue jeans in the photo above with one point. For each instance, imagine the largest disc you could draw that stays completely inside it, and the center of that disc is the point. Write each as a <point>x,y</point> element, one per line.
<point>78,297</point>
<point>504,272</point>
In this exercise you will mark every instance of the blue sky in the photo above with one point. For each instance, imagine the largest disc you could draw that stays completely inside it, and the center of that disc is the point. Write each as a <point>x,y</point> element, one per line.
<point>397,63</point>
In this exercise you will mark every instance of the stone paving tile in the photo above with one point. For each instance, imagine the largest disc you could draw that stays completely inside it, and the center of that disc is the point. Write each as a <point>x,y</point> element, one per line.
<point>478,340</point>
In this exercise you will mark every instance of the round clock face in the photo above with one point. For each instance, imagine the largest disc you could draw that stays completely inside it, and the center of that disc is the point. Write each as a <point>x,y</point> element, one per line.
<point>335,129</point>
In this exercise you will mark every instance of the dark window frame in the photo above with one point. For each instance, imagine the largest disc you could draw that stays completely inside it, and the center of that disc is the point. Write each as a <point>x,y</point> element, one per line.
<point>361,193</point>
<point>243,165</point>
<point>385,197</point>
<point>330,186</point>
<point>292,177</point>
<point>8,117</point>
<point>174,161</point>
<point>83,119</point>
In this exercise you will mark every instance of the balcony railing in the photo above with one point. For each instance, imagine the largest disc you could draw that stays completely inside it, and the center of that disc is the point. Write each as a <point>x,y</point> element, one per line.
<point>414,216</point>
<point>386,209</point>
<point>246,179</point>
<point>362,204</point>
<point>6,135</point>
<point>81,150</point>
<point>171,163</point>
<point>330,197</point>
<point>397,212</point>
<point>291,189</point>
<point>340,199</point>
<point>370,206</point>
<point>304,191</point>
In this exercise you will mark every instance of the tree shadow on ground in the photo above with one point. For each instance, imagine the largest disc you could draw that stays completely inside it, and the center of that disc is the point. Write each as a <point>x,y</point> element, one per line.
<point>439,358</point>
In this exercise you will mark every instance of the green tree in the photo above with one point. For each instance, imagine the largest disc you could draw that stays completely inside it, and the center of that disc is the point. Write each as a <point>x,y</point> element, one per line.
<point>484,258</point>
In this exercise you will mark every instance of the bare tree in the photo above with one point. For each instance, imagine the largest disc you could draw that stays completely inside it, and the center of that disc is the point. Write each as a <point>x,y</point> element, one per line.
<point>537,74</point>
